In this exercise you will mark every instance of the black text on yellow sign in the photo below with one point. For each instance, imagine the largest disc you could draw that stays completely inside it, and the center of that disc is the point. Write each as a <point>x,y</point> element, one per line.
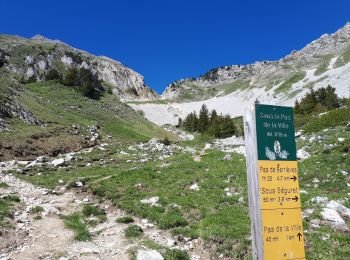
<point>281,210</point>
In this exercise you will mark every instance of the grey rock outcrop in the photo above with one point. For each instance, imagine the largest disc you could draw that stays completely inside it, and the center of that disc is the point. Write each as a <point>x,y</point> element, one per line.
<point>40,54</point>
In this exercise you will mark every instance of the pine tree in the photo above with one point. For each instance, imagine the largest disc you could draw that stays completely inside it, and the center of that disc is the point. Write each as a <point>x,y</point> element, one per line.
<point>70,79</point>
<point>331,99</point>
<point>203,121</point>
<point>297,108</point>
<point>179,122</point>
<point>309,102</point>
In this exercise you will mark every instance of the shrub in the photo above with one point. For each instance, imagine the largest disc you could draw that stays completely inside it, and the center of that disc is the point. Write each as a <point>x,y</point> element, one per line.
<point>52,75</point>
<point>133,231</point>
<point>75,223</point>
<point>176,254</point>
<point>92,210</point>
<point>166,141</point>
<point>125,220</point>
<point>36,209</point>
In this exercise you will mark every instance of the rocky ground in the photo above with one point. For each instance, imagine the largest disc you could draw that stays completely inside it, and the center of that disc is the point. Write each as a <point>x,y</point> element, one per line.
<point>43,235</point>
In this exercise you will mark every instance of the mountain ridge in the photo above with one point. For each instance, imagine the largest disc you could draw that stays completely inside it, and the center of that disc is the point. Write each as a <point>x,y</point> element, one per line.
<point>36,56</point>
<point>324,45</point>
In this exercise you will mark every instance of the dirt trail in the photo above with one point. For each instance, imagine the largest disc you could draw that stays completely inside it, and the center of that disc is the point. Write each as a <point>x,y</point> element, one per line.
<point>47,238</point>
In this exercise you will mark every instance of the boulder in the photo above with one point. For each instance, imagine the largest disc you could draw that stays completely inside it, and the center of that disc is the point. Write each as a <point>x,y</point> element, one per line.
<point>207,146</point>
<point>58,162</point>
<point>153,201</point>
<point>334,218</point>
<point>341,139</point>
<point>147,254</point>
<point>339,208</point>
<point>227,157</point>
<point>194,187</point>
<point>299,133</point>
<point>302,154</point>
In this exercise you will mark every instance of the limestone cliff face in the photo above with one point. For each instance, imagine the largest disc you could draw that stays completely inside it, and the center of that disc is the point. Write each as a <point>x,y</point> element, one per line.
<point>36,56</point>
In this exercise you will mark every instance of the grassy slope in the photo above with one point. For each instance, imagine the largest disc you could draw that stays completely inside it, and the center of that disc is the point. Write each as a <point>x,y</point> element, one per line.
<point>209,213</point>
<point>58,107</point>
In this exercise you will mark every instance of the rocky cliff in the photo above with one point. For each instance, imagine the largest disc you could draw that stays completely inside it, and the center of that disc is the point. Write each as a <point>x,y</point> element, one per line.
<point>33,58</point>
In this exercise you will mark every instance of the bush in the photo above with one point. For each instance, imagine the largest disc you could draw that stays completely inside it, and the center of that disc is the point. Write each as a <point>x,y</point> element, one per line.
<point>166,141</point>
<point>91,210</point>
<point>141,112</point>
<point>133,231</point>
<point>176,254</point>
<point>334,118</point>
<point>52,75</point>
<point>75,223</point>
<point>36,209</point>
<point>125,220</point>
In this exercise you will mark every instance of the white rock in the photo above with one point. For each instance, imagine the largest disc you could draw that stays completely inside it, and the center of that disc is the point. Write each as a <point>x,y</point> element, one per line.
<point>315,223</point>
<point>58,162</point>
<point>227,157</point>
<point>307,212</point>
<point>69,157</point>
<point>152,201</point>
<point>42,65</point>
<point>302,154</point>
<point>84,65</point>
<point>341,139</point>
<point>303,192</point>
<point>239,150</point>
<point>299,133</point>
<point>339,208</point>
<point>29,60</point>
<point>79,184</point>
<point>153,141</point>
<point>194,187</point>
<point>207,146</point>
<point>30,72</point>
<point>315,180</point>
<point>67,60</point>
<point>319,200</point>
<point>147,254</point>
<point>334,218</point>
<point>60,181</point>
<point>345,173</point>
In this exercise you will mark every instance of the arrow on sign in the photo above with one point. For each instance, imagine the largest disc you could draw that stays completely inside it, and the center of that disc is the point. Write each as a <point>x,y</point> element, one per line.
<point>299,236</point>
<point>294,178</point>
<point>295,198</point>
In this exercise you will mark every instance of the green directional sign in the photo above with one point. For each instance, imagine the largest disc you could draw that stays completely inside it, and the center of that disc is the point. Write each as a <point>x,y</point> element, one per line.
<point>275,133</point>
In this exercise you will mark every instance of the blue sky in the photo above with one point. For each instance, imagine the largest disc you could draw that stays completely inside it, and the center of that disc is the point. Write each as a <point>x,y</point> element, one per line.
<point>168,40</point>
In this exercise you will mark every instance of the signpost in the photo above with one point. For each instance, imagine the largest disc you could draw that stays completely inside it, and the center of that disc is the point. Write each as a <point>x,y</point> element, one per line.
<point>273,184</point>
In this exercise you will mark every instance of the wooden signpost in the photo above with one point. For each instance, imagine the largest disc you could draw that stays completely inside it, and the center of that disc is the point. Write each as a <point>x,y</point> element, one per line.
<point>273,184</point>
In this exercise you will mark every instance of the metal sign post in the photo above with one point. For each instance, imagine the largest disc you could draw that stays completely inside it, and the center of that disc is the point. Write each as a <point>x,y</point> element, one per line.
<point>273,184</point>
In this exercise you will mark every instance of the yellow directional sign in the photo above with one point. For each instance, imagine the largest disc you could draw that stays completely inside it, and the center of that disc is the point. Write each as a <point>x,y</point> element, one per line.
<point>272,168</point>
<point>279,184</point>
<point>283,234</point>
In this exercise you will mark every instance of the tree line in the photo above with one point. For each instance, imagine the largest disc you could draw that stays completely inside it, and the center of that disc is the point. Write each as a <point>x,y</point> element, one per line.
<point>219,126</point>
<point>81,79</point>
<point>317,101</point>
